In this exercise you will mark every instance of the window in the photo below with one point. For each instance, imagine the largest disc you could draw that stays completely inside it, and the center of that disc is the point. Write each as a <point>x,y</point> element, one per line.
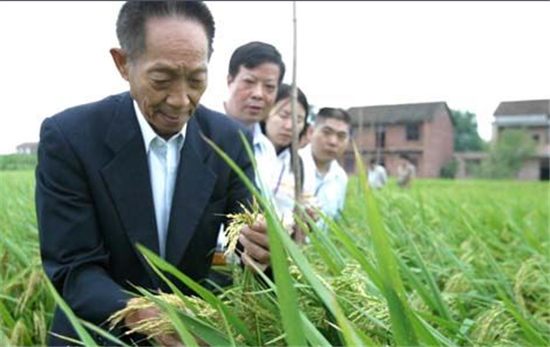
<point>380,136</point>
<point>413,131</point>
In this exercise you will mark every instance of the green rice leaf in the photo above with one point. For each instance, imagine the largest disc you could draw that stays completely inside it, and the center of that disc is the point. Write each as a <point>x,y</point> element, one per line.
<point>185,336</point>
<point>86,338</point>
<point>6,316</point>
<point>104,333</point>
<point>286,294</point>
<point>313,335</point>
<point>392,286</point>
<point>158,263</point>
<point>350,335</point>
<point>533,337</point>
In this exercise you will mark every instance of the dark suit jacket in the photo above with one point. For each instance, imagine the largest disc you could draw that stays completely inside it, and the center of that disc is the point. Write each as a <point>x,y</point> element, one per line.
<point>94,203</point>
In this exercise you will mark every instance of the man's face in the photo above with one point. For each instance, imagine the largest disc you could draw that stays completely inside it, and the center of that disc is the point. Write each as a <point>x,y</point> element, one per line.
<point>169,78</point>
<point>278,125</point>
<point>329,139</point>
<point>252,93</point>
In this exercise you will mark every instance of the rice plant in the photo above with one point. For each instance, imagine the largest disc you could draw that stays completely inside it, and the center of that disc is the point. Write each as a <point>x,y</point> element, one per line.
<point>26,306</point>
<point>465,263</point>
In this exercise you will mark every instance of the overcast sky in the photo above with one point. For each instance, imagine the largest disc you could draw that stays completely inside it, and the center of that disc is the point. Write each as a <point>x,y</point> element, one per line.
<point>470,54</point>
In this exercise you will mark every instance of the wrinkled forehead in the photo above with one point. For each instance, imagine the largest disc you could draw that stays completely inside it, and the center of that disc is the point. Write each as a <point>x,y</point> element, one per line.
<point>266,71</point>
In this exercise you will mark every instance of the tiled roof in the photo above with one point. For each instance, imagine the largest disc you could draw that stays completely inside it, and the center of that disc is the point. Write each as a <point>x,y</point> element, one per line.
<point>403,113</point>
<point>524,107</point>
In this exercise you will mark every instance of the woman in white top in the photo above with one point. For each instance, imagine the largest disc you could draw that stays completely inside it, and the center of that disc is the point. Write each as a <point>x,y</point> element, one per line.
<point>278,128</point>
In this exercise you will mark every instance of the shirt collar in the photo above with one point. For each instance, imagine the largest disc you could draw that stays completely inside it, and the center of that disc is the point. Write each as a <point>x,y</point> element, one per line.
<point>260,141</point>
<point>149,134</point>
<point>331,167</point>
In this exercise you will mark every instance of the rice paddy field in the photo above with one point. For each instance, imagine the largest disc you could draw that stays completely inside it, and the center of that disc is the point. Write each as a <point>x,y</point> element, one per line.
<point>452,263</point>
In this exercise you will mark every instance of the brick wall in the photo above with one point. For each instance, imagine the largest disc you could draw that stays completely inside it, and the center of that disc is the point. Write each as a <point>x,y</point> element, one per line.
<point>439,145</point>
<point>431,151</point>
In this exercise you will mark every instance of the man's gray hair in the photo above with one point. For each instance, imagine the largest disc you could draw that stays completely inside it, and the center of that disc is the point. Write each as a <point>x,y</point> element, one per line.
<point>130,26</point>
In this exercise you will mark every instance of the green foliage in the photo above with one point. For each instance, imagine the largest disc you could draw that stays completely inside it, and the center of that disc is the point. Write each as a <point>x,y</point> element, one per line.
<point>466,137</point>
<point>507,155</point>
<point>472,258</point>
<point>26,306</point>
<point>17,162</point>
<point>449,170</point>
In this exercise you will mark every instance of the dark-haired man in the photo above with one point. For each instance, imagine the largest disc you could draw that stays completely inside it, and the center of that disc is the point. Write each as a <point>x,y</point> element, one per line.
<point>322,174</point>
<point>135,168</point>
<point>256,69</point>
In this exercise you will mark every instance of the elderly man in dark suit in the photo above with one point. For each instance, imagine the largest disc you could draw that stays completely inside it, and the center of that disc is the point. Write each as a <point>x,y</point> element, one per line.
<point>134,168</point>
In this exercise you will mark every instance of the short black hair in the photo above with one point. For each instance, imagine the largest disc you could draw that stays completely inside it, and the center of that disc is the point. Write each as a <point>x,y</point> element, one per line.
<point>254,54</point>
<point>130,25</point>
<point>334,113</point>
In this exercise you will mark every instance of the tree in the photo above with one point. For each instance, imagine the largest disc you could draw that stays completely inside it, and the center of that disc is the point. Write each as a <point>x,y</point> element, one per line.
<point>507,155</point>
<point>466,137</point>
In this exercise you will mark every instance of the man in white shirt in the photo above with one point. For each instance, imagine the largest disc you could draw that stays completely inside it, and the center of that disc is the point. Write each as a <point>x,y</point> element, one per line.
<point>256,70</point>
<point>322,174</point>
<point>377,175</point>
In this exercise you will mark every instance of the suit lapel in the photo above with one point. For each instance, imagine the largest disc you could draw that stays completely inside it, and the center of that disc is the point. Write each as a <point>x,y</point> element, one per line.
<point>127,179</point>
<point>192,191</point>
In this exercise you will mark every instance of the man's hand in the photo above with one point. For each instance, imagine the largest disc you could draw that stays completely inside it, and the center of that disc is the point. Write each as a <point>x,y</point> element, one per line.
<point>256,244</point>
<point>152,313</point>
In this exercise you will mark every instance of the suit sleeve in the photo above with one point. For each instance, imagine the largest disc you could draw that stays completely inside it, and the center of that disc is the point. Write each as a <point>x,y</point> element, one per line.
<point>73,253</point>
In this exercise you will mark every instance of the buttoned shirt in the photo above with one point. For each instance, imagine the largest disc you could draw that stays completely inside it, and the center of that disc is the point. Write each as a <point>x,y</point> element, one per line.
<point>329,189</point>
<point>163,158</point>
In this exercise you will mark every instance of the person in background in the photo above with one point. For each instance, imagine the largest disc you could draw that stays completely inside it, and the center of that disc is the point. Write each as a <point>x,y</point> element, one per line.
<point>330,136</point>
<point>405,172</point>
<point>377,175</point>
<point>256,70</point>
<point>278,128</point>
<point>135,168</point>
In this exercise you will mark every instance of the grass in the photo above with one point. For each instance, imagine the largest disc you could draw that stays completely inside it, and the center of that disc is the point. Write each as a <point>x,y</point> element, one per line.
<point>472,258</point>
<point>17,162</point>
<point>26,305</point>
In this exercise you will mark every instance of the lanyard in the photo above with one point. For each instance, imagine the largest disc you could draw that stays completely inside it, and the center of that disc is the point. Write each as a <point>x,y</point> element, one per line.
<point>279,180</point>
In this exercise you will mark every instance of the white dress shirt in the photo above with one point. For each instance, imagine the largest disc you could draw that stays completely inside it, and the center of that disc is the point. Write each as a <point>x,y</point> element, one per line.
<point>329,189</point>
<point>283,189</point>
<point>163,158</point>
<point>266,160</point>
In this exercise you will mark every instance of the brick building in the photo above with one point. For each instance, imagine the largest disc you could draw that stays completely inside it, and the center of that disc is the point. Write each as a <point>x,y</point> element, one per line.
<point>530,115</point>
<point>534,117</point>
<point>423,131</point>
